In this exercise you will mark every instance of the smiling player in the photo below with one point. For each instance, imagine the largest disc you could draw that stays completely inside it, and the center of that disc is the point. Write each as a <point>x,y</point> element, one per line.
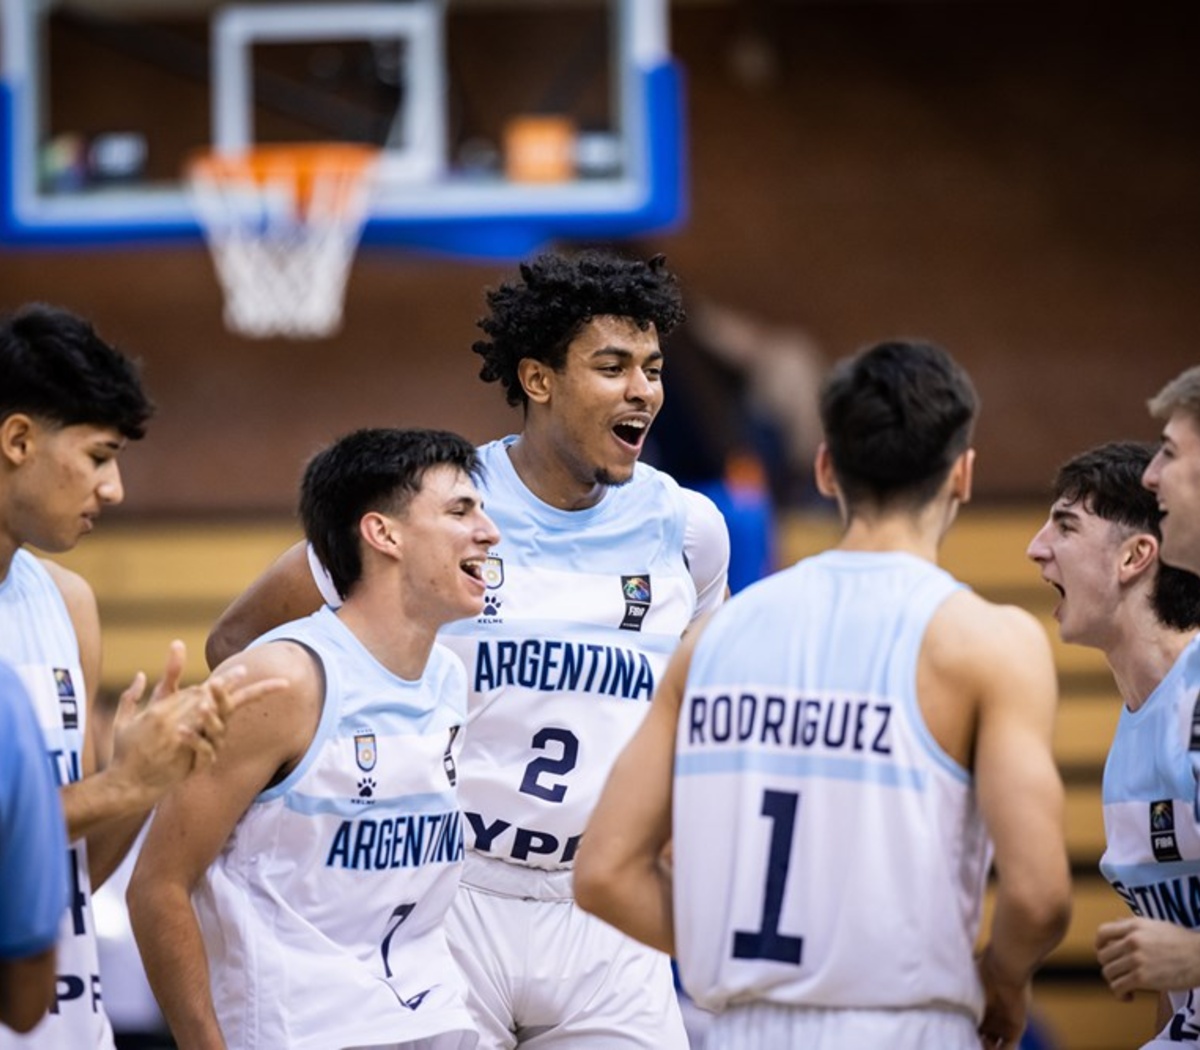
<point>603,563</point>
<point>295,896</point>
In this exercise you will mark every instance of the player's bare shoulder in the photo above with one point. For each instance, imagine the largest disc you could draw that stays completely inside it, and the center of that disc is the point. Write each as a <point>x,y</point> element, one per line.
<point>76,592</point>
<point>292,713</point>
<point>972,638</point>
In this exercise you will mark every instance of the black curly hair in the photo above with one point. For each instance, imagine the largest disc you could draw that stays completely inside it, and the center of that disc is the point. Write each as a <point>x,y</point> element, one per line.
<point>539,315</point>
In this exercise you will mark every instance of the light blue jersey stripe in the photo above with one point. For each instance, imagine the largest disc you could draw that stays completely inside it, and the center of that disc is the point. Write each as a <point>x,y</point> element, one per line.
<point>310,805</point>
<point>797,765</point>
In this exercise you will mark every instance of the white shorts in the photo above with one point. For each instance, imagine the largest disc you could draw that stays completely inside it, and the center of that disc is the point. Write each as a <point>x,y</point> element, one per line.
<point>769,1026</point>
<point>545,974</point>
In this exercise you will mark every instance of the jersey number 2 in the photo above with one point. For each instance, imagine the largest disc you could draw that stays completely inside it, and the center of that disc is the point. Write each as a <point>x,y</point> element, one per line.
<point>558,766</point>
<point>767,942</point>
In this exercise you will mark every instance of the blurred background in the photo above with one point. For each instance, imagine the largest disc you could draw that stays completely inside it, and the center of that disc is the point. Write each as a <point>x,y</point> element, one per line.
<point>1014,180</point>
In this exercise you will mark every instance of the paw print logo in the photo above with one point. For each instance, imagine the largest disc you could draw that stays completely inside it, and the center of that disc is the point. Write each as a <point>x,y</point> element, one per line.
<point>366,788</point>
<point>491,605</point>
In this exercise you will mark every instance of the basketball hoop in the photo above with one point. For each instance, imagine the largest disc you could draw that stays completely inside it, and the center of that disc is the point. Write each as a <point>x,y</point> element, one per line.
<point>282,223</point>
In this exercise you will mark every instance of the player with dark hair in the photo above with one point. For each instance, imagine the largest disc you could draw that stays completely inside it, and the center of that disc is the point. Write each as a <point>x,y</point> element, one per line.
<point>538,316</point>
<point>1099,549</point>
<point>68,404</point>
<point>602,564</point>
<point>825,722</point>
<point>54,366</point>
<point>295,896</point>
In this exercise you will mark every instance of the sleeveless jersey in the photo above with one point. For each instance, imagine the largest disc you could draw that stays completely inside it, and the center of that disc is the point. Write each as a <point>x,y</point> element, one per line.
<point>38,639</point>
<point>828,853</point>
<point>323,914</point>
<point>1151,827</point>
<point>582,612</point>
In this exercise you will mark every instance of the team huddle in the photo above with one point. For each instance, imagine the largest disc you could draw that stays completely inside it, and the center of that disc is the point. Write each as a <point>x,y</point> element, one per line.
<point>459,771</point>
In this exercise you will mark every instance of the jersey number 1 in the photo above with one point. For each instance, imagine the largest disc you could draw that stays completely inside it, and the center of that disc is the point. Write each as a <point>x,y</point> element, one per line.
<point>767,942</point>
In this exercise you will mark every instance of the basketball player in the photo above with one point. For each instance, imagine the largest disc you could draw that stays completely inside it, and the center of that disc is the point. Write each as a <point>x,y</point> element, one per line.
<point>322,852</point>
<point>1142,953</point>
<point>603,563</point>
<point>68,404</point>
<point>1099,550</point>
<point>1174,473</point>
<point>828,758</point>
<point>33,862</point>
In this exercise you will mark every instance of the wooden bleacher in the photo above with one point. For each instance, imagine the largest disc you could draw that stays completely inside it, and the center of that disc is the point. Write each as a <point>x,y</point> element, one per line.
<point>158,581</point>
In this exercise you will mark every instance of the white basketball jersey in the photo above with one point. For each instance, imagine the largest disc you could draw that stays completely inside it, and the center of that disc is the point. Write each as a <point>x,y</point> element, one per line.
<point>583,610</point>
<point>38,639</point>
<point>1151,829</point>
<point>828,853</point>
<point>323,915</point>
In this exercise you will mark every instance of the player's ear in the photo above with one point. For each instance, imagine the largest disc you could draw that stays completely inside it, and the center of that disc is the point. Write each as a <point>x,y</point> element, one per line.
<point>17,433</point>
<point>823,472</point>
<point>1139,553</point>
<point>380,532</point>
<point>536,379</point>
<point>962,476</point>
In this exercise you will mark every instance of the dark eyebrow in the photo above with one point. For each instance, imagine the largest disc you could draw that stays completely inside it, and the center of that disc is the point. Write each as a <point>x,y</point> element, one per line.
<point>1060,513</point>
<point>624,354</point>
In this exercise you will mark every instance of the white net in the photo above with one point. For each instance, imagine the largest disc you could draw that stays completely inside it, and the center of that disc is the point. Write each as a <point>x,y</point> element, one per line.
<point>283,225</point>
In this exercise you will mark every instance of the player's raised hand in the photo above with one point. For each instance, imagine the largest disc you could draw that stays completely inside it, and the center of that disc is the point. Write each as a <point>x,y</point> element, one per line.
<point>159,741</point>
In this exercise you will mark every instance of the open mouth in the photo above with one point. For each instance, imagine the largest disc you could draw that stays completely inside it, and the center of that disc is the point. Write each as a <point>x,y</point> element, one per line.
<point>1056,612</point>
<point>473,567</point>
<point>631,432</point>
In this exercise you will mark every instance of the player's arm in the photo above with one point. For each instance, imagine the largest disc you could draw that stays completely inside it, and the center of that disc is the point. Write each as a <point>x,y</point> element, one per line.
<point>26,989</point>
<point>285,591</point>
<point>107,808</point>
<point>1020,797</point>
<point>156,743</point>
<point>620,872</point>
<point>194,821</point>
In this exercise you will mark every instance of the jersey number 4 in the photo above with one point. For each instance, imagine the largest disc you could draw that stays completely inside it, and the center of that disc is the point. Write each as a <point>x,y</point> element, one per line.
<point>767,942</point>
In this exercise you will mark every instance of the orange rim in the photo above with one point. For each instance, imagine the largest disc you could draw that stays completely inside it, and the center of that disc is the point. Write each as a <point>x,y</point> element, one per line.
<point>302,164</point>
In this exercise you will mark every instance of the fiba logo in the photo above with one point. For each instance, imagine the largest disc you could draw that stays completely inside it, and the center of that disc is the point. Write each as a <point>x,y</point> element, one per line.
<point>68,703</point>
<point>636,591</point>
<point>1162,830</point>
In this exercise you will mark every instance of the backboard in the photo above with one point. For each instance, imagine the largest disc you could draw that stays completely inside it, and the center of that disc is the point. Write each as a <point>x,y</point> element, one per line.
<point>504,124</point>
